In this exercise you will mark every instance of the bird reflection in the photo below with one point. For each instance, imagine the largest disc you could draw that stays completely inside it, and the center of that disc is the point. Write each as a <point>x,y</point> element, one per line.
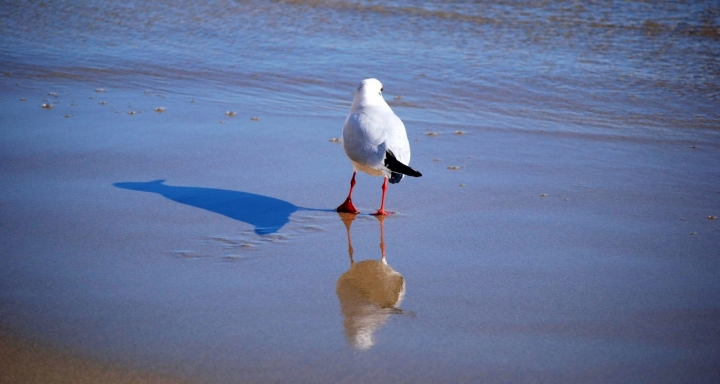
<point>369,292</point>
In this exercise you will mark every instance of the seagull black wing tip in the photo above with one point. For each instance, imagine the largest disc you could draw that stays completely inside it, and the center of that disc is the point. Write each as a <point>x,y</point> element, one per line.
<point>396,166</point>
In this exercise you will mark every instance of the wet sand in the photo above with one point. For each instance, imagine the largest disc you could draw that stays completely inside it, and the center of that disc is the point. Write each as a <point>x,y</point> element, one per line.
<point>168,173</point>
<point>524,254</point>
<point>26,361</point>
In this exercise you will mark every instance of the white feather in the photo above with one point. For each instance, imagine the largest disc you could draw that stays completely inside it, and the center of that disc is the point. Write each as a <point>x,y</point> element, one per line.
<point>371,129</point>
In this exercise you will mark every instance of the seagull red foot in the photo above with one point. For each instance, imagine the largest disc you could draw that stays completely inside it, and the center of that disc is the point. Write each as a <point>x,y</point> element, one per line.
<point>347,206</point>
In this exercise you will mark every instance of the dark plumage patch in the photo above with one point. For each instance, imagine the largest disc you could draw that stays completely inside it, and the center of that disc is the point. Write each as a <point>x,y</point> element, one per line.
<point>395,178</point>
<point>398,169</point>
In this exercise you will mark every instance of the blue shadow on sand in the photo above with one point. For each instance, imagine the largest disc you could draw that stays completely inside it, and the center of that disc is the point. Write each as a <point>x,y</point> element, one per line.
<point>266,214</point>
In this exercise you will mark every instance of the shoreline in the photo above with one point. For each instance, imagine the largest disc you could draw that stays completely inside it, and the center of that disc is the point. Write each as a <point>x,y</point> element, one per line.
<point>557,254</point>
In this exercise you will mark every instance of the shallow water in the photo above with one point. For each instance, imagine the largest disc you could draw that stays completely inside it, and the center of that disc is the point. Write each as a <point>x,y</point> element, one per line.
<point>623,68</point>
<point>561,235</point>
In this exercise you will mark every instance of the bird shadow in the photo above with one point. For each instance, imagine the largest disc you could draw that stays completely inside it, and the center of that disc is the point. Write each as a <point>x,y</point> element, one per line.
<point>266,214</point>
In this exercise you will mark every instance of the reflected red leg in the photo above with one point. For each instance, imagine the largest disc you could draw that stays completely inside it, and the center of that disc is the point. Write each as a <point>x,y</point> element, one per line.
<point>381,219</point>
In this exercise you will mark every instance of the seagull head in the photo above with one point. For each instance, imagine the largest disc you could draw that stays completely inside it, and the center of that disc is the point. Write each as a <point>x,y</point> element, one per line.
<point>369,92</point>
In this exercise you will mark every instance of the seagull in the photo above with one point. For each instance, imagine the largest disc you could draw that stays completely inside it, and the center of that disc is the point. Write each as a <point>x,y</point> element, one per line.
<point>375,140</point>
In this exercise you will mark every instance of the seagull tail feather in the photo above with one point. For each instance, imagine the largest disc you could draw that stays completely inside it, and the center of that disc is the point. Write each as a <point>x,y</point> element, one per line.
<point>397,168</point>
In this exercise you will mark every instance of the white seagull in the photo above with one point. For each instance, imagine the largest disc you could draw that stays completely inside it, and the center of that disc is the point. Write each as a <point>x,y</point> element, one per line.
<point>375,140</point>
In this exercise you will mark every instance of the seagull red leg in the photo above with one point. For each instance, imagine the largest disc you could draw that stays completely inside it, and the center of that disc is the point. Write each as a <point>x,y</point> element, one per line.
<point>382,210</point>
<point>347,206</point>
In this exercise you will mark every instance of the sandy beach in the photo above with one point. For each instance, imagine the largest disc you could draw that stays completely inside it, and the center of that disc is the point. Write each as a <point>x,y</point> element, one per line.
<point>25,361</point>
<point>512,245</point>
<point>562,231</point>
